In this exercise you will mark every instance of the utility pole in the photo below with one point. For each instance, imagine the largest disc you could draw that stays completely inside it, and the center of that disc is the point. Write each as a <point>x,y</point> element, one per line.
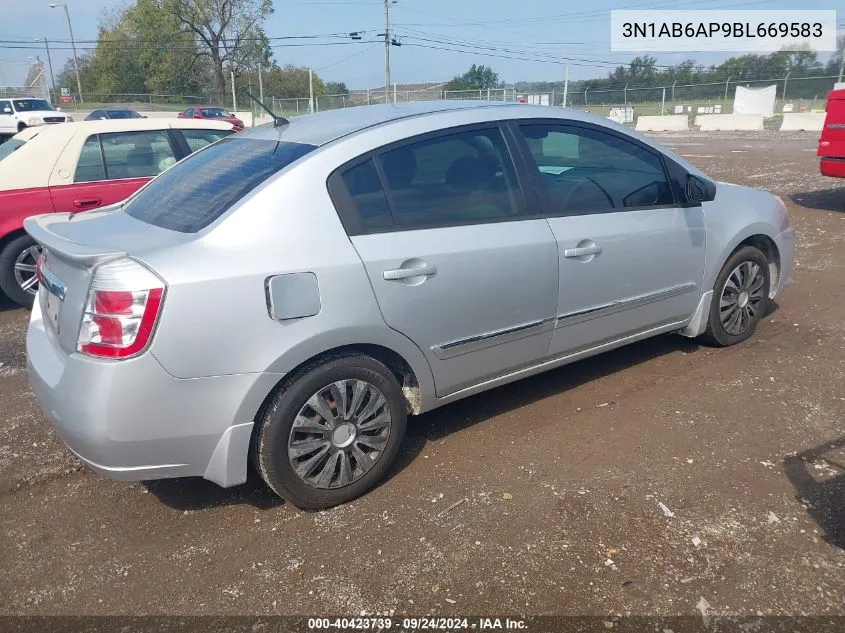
<point>234,97</point>
<point>310,91</point>
<point>386,51</point>
<point>73,46</point>
<point>260,85</point>
<point>565,86</point>
<point>841,67</point>
<point>49,65</point>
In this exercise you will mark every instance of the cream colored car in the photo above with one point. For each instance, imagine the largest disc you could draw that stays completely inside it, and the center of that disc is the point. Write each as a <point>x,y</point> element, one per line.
<point>81,166</point>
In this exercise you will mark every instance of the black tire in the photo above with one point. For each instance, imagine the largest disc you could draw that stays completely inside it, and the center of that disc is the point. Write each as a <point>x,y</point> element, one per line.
<point>273,431</point>
<point>8,284</point>
<point>716,332</point>
<point>21,127</point>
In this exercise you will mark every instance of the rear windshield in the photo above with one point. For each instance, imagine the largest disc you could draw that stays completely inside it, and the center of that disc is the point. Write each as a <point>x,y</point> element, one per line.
<point>10,146</point>
<point>191,195</point>
<point>123,114</point>
<point>215,113</point>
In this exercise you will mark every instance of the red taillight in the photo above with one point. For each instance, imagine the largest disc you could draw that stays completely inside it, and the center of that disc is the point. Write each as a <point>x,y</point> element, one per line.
<point>119,323</point>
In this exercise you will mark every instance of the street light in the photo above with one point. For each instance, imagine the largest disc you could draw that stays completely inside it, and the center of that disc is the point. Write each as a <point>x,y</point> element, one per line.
<point>54,5</point>
<point>49,61</point>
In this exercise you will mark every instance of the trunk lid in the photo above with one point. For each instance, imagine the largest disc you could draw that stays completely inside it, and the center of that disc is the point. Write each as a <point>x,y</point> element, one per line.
<point>75,245</point>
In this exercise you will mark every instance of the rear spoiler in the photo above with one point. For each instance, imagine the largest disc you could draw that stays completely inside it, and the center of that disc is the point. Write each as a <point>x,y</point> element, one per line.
<point>39,228</point>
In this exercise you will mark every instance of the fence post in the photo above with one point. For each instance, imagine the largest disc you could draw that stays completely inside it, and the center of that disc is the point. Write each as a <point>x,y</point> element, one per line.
<point>625,95</point>
<point>784,85</point>
<point>585,94</point>
<point>673,90</point>
<point>663,103</point>
<point>727,83</point>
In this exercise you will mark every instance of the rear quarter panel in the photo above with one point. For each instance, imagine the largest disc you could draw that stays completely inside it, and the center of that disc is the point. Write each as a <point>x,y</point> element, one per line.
<point>18,204</point>
<point>215,318</point>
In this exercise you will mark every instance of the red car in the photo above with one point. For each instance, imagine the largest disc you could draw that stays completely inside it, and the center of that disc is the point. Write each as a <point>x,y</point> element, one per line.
<point>209,112</point>
<point>832,142</point>
<point>76,167</point>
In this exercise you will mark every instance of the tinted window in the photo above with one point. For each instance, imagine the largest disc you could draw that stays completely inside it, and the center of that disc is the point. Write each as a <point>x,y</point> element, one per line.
<point>4,105</point>
<point>203,186</point>
<point>123,114</point>
<point>136,154</point>
<point>585,170</point>
<point>197,139</point>
<point>460,178</point>
<point>29,105</point>
<point>90,166</point>
<point>214,113</point>
<point>364,187</point>
<point>188,112</point>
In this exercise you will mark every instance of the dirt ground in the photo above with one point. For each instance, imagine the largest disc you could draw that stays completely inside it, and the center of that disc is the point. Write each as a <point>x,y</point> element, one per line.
<point>560,478</point>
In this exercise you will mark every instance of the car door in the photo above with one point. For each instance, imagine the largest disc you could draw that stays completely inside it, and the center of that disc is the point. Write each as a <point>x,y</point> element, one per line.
<point>8,124</point>
<point>108,168</point>
<point>457,257</point>
<point>631,256</point>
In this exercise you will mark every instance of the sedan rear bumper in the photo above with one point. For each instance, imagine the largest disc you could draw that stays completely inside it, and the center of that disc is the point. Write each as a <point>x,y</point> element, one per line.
<point>131,420</point>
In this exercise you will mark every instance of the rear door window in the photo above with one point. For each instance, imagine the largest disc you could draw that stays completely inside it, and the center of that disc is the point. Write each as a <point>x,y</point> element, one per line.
<point>457,178</point>
<point>136,154</point>
<point>205,185</point>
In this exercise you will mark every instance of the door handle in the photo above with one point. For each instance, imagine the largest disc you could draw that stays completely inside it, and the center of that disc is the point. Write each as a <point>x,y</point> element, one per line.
<point>580,252</point>
<point>85,203</point>
<point>405,273</point>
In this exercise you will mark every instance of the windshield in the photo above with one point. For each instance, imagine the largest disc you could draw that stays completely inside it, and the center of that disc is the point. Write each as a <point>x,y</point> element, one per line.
<point>215,113</point>
<point>192,194</point>
<point>10,146</point>
<point>29,105</point>
<point>123,114</point>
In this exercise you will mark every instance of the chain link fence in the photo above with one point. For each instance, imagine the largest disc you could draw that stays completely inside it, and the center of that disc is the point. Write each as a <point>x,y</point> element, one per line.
<point>24,79</point>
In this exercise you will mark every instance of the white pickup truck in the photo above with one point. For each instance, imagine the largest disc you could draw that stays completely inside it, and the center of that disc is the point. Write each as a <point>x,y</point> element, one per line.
<point>16,114</point>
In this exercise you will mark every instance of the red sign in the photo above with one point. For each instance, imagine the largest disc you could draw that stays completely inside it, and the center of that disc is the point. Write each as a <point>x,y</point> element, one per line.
<point>67,99</point>
<point>523,100</point>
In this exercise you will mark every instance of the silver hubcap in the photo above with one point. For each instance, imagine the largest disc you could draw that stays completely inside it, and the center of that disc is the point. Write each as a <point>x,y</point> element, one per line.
<point>339,434</point>
<point>25,269</point>
<point>742,297</point>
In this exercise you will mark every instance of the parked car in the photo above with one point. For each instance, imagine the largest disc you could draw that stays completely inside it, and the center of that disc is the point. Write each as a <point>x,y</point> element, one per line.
<point>113,113</point>
<point>78,167</point>
<point>832,142</point>
<point>291,294</point>
<point>17,114</point>
<point>205,112</point>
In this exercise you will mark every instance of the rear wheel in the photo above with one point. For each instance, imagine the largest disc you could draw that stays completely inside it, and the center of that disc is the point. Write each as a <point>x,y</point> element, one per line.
<point>740,297</point>
<point>17,270</point>
<point>331,433</point>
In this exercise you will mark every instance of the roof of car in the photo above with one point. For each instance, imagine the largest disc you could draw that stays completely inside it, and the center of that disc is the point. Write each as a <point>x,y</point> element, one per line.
<point>101,126</point>
<point>324,127</point>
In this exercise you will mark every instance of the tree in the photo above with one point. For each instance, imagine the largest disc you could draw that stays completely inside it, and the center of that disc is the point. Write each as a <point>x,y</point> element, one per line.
<point>67,76</point>
<point>291,82</point>
<point>228,32</point>
<point>476,78</point>
<point>336,88</point>
<point>835,61</point>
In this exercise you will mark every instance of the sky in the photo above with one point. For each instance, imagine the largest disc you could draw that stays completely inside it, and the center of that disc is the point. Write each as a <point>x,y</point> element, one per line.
<point>507,29</point>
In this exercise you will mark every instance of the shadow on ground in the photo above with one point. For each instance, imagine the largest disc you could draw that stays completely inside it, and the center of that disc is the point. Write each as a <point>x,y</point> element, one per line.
<point>820,492</point>
<point>195,494</point>
<point>824,199</point>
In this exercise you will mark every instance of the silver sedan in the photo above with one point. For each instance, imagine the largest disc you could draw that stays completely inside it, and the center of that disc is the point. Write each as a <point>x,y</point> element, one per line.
<point>290,296</point>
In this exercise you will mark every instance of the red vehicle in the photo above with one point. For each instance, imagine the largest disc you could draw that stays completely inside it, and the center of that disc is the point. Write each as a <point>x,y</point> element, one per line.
<point>832,143</point>
<point>76,167</point>
<point>209,112</point>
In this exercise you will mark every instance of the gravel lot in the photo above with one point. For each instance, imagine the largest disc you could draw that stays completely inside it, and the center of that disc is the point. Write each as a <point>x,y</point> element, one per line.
<point>542,497</point>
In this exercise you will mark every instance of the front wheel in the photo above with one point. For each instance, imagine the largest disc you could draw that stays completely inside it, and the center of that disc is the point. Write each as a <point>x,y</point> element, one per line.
<point>331,433</point>
<point>17,270</point>
<point>740,297</point>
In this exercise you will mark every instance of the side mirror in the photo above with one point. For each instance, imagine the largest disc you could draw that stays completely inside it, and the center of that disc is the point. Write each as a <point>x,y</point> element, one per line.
<point>698,190</point>
<point>58,109</point>
<point>7,110</point>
